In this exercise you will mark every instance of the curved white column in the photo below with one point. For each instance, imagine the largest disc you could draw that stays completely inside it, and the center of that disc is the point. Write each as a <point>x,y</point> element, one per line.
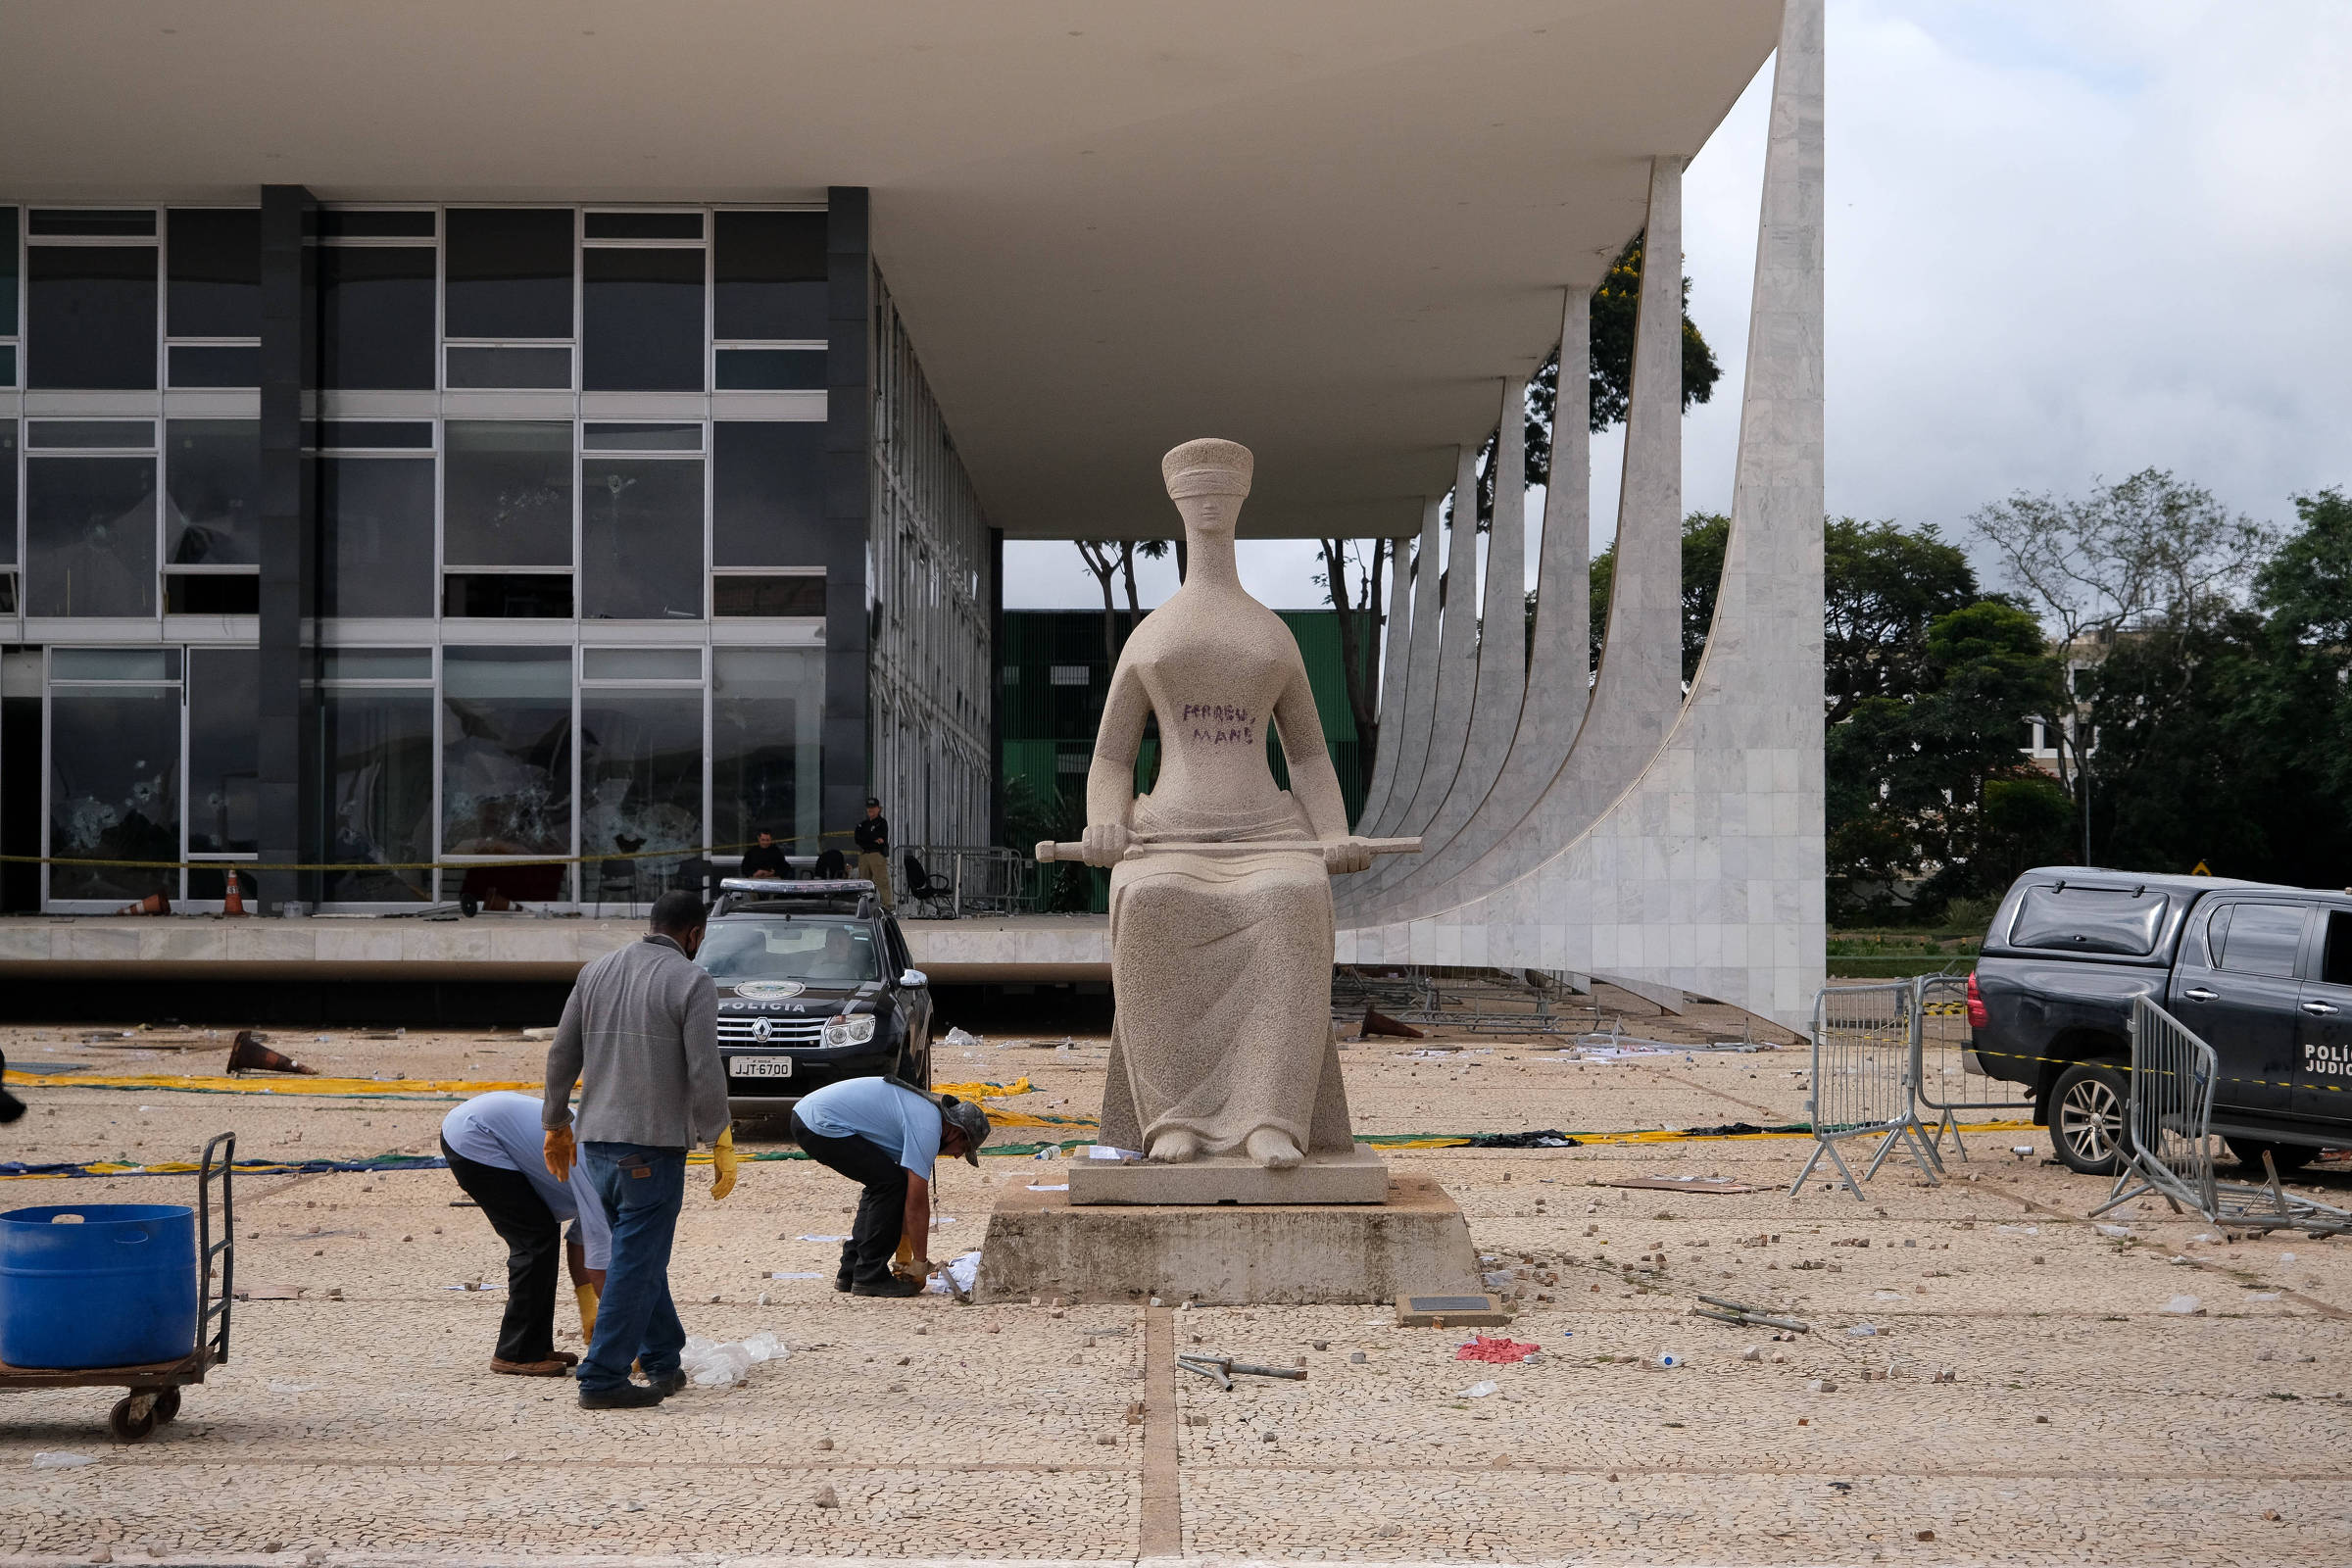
<point>1705,874</point>
<point>1391,684</point>
<point>1501,649</point>
<point>1559,671</point>
<point>1457,655</point>
<point>1639,687</point>
<point>1411,747</point>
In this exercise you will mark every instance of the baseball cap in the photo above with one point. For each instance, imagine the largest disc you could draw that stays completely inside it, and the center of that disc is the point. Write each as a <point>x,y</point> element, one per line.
<point>968,1119</point>
<point>870,801</point>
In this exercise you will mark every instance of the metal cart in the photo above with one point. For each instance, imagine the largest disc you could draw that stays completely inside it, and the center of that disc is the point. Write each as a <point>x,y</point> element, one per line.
<point>151,1393</point>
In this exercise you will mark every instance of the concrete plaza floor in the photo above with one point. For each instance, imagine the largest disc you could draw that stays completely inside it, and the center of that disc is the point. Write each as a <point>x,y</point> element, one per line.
<point>2082,1421</point>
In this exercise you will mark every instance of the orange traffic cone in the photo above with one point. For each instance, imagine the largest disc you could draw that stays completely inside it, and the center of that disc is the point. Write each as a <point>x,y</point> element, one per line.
<point>151,903</point>
<point>249,1055</point>
<point>233,901</point>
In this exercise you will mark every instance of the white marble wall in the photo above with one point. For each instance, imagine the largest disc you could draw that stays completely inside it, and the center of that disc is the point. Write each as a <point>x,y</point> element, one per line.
<point>1704,872</point>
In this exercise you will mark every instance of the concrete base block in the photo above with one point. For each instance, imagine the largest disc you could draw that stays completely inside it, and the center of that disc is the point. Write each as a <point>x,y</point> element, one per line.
<point>1358,1176</point>
<point>1416,1242</point>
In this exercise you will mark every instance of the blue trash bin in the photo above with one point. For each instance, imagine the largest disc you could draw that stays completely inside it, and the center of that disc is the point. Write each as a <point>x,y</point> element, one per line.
<point>92,1285</point>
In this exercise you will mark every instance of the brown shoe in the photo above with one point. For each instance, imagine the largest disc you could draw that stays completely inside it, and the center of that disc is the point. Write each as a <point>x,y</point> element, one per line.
<point>567,1358</point>
<point>549,1369</point>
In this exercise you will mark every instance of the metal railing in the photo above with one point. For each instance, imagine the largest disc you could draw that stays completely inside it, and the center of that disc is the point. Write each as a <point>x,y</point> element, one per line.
<point>2169,1138</point>
<point>1865,1047</point>
<point>969,879</point>
<point>1945,1076</point>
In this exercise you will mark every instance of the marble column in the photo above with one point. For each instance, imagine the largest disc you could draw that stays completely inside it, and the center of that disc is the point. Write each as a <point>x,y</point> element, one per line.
<point>1457,655</point>
<point>1638,686</point>
<point>1705,874</point>
<point>1502,647</point>
<point>1559,672</point>
<point>1411,743</point>
<point>1391,679</point>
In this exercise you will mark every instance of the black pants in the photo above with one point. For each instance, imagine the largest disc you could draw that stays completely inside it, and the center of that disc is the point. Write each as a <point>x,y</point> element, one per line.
<point>534,1240</point>
<point>881,1213</point>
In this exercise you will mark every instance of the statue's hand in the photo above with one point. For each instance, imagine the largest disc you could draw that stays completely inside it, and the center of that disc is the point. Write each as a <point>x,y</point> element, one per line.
<point>1105,843</point>
<point>1348,854</point>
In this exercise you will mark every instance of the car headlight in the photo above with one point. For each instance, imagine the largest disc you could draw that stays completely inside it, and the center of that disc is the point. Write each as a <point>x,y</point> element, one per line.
<point>852,1030</point>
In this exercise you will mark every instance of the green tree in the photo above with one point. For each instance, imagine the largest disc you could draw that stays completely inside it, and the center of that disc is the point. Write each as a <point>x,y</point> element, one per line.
<point>1616,310</point>
<point>2225,731</point>
<point>1910,774</point>
<point>2145,552</point>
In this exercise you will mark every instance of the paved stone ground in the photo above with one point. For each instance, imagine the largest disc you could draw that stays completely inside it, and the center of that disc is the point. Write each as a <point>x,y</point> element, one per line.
<point>2082,1422</point>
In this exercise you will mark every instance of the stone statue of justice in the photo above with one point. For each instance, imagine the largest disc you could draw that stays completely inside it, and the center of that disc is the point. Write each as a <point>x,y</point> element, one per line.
<point>1220,882</point>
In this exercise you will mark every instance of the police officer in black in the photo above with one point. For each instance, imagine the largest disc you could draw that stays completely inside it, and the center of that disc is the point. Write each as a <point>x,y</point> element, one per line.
<point>873,850</point>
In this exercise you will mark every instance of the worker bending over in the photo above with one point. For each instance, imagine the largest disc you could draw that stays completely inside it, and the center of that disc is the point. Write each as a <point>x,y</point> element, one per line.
<point>879,1132</point>
<point>493,1143</point>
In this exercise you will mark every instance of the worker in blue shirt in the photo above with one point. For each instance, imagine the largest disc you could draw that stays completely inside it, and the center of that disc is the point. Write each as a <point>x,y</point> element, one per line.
<point>884,1135</point>
<point>494,1144</point>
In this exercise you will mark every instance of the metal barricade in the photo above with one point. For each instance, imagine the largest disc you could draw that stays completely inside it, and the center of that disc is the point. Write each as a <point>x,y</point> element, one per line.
<point>2169,1138</point>
<point>1863,1049</point>
<point>975,879</point>
<point>1945,1075</point>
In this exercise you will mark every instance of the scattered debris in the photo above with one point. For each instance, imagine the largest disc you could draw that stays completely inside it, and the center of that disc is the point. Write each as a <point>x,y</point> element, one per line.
<point>1822,1386</point>
<point>1223,1369</point>
<point>1478,1390</point>
<point>1377,1022</point>
<point>59,1461</point>
<point>1503,1351</point>
<point>1682,1184</point>
<point>2181,1307</point>
<point>1741,1313</point>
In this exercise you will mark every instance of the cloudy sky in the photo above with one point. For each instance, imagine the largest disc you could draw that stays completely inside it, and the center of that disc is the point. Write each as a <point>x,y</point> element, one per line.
<point>2065,242</point>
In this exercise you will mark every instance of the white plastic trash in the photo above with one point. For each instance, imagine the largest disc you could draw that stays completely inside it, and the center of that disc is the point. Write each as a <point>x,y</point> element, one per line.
<point>61,1461</point>
<point>2182,1305</point>
<point>709,1364</point>
<point>959,1040</point>
<point>1478,1390</point>
<point>957,1277</point>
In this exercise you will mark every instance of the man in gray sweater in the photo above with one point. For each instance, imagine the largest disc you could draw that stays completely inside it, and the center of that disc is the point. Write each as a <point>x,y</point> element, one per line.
<point>642,1028</point>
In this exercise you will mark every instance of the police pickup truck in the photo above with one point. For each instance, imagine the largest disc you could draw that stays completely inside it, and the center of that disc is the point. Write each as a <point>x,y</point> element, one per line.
<point>2263,974</point>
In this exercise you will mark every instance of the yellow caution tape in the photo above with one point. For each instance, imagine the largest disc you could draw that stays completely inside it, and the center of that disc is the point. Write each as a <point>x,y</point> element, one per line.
<point>275,1084</point>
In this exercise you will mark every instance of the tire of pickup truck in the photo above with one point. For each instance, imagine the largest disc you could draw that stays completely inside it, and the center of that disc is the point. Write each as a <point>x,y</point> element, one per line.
<point>2085,1113</point>
<point>2285,1156</point>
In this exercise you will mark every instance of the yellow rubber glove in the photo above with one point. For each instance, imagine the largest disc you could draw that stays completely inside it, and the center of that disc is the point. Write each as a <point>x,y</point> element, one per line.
<point>586,1293</point>
<point>903,1262</point>
<point>722,1164</point>
<point>560,1152</point>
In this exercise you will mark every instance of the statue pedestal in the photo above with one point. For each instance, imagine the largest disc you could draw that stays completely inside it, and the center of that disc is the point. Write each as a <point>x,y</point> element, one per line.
<point>1412,1241</point>
<point>1358,1176</point>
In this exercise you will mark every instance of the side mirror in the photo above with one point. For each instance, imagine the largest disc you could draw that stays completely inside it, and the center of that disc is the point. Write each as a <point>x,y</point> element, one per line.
<point>915,979</point>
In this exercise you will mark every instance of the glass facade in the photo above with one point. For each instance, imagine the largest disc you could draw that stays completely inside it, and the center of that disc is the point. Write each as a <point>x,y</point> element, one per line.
<point>568,471</point>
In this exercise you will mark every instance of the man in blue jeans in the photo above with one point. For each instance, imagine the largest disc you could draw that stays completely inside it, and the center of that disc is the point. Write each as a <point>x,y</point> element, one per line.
<point>642,1025</point>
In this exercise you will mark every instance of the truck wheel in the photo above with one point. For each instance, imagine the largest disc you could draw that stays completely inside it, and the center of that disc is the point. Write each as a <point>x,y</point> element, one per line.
<point>2285,1156</point>
<point>2087,1117</point>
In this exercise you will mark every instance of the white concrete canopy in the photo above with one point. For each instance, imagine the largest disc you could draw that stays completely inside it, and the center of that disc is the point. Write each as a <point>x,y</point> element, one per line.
<point>1321,228</point>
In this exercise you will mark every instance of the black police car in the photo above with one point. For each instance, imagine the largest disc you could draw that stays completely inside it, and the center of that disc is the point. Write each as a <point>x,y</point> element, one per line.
<point>814,985</point>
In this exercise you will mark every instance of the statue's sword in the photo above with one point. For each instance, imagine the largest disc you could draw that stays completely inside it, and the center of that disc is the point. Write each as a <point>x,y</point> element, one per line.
<point>1048,851</point>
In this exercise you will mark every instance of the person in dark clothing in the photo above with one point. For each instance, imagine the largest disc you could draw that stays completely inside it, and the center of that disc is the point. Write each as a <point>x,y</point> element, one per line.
<point>494,1145</point>
<point>832,866</point>
<point>765,858</point>
<point>884,1135</point>
<point>873,850</point>
<point>10,1107</point>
